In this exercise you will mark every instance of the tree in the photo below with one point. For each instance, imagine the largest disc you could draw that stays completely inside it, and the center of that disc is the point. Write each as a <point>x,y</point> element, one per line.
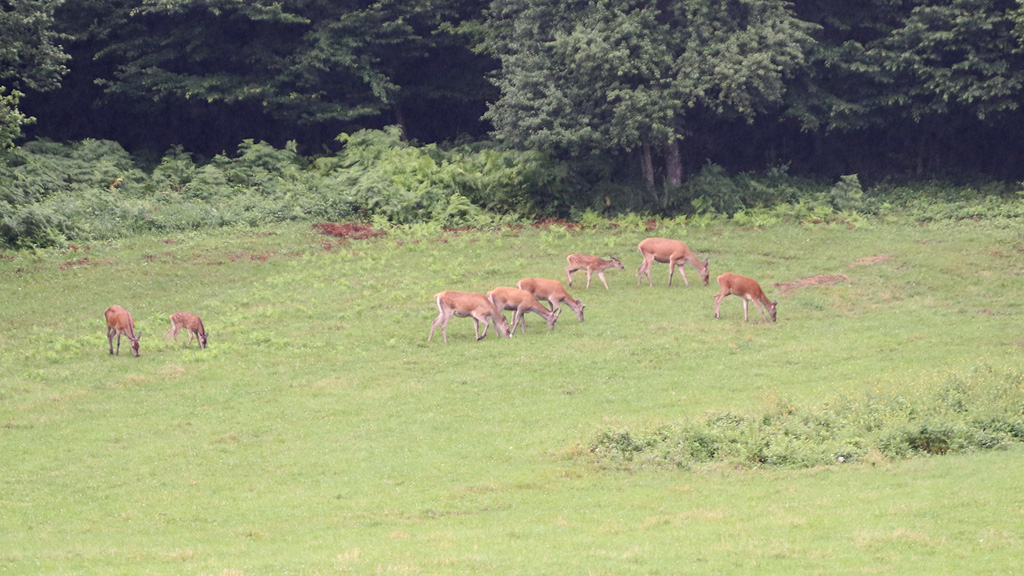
<point>630,74</point>
<point>299,64</point>
<point>30,58</point>
<point>921,71</point>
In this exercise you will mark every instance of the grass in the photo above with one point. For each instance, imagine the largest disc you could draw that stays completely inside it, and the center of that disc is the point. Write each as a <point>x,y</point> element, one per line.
<point>320,433</point>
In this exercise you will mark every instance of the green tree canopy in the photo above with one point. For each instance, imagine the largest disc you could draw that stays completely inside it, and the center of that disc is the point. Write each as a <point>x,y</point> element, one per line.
<point>301,61</point>
<point>631,74</point>
<point>31,57</point>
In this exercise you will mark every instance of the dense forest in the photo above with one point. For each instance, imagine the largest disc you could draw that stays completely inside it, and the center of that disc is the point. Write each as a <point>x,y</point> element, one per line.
<point>644,93</point>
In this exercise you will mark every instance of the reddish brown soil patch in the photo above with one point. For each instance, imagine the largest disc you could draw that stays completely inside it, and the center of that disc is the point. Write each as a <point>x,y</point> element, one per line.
<point>351,230</point>
<point>83,262</point>
<point>547,223</point>
<point>870,260</point>
<point>460,229</point>
<point>823,280</point>
<point>248,256</point>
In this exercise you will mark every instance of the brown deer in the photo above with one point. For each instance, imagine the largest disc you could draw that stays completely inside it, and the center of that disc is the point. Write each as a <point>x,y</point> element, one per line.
<point>467,305</point>
<point>192,324</point>
<point>522,302</point>
<point>552,292</point>
<point>749,290</point>
<point>673,252</point>
<point>119,322</point>
<point>591,264</point>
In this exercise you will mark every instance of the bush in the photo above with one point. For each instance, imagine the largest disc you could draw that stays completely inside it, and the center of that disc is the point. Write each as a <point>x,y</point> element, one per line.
<point>980,410</point>
<point>54,192</point>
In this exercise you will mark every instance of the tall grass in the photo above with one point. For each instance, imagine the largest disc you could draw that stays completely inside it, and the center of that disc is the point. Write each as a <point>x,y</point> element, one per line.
<point>321,433</point>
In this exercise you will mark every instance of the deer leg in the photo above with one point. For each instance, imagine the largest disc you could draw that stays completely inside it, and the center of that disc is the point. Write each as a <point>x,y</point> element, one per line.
<point>645,268</point>
<point>603,281</point>
<point>476,327</point>
<point>439,321</point>
<point>556,305</point>
<point>718,304</point>
<point>110,340</point>
<point>683,272</point>
<point>568,272</point>
<point>761,308</point>
<point>745,302</point>
<point>519,319</point>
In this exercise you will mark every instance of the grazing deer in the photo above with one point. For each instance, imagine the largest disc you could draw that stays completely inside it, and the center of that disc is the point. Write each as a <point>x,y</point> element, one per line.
<point>119,322</point>
<point>591,264</point>
<point>522,302</point>
<point>192,324</point>
<point>467,305</point>
<point>552,292</point>
<point>749,290</point>
<point>673,252</point>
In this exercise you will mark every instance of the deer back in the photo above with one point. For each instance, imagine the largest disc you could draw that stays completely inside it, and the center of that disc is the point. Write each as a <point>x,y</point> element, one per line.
<point>543,289</point>
<point>120,320</point>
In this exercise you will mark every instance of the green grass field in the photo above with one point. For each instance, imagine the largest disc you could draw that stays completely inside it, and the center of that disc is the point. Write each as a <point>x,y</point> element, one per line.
<point>320,433</point>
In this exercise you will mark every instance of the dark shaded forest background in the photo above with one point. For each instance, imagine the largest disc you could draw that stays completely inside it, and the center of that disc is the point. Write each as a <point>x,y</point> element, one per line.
<point>646,94</point>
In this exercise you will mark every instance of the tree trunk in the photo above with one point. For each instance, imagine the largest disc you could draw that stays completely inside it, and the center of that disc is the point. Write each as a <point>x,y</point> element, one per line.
<point>647,166</point>
<point>673,163</point>
<point>400,120</point>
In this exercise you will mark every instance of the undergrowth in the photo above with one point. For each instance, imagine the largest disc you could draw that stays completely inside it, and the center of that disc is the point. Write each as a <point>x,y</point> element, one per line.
<point>55,193</point>
<point>977,410</point>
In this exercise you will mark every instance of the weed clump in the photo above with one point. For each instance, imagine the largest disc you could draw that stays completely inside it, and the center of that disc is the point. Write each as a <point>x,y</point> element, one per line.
<point>980,410</point>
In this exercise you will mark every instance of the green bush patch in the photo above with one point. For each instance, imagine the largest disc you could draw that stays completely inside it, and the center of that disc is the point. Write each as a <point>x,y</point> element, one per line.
<point>979,410</point>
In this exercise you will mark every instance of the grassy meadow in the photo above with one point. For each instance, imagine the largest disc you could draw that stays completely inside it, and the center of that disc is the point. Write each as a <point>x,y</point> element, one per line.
<point>320,433</point>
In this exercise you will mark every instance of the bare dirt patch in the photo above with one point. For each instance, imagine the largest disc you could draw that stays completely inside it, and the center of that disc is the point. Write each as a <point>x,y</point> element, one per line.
<point>83,262</point>
<point>351,230</point>
<point>549,223</point>
<point>243,256</point>
<point>822,280</point>
<point>870,260</point>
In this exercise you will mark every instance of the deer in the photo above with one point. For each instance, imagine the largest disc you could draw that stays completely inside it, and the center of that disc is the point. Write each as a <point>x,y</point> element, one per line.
<point>552,292</point>
<point>591,264</point>
<point>119,322</point>
<point>522,302</point>
<point>467,305</point>
<point>749,290</point>
<point>192,324</point>
<point>673,252</point>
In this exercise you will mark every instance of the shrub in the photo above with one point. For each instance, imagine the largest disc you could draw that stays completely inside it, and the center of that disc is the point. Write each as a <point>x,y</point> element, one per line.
<point>53,192</point>
<point>847,194</point>
<point>979,410</point>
